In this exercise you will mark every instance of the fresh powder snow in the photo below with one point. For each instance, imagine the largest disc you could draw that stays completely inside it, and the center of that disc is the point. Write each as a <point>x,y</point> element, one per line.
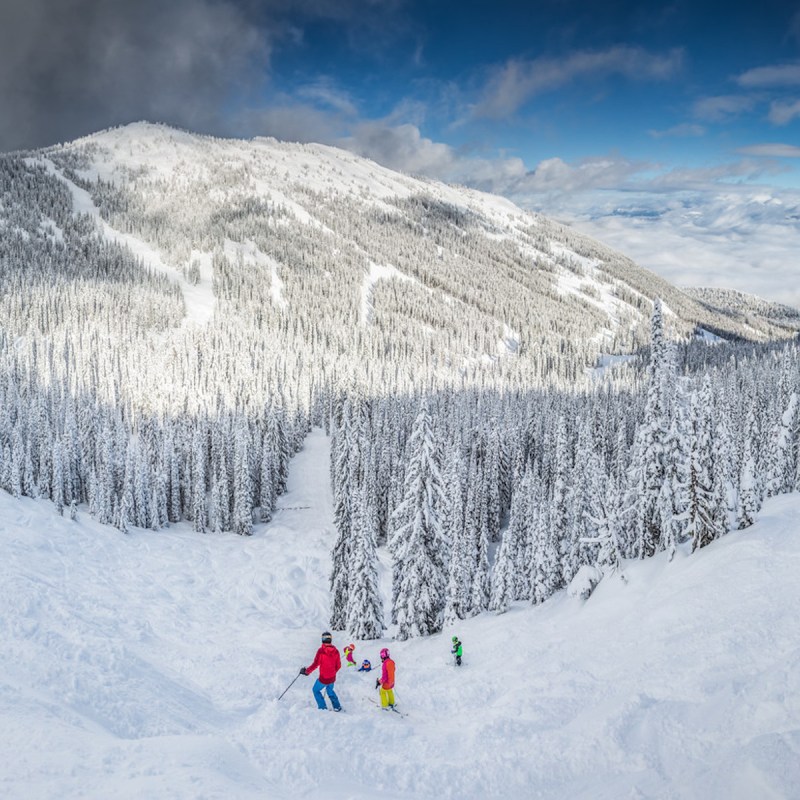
<point>149,665</point>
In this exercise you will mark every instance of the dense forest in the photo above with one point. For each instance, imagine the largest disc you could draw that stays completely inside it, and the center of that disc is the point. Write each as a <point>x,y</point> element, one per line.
<point>170,333</point>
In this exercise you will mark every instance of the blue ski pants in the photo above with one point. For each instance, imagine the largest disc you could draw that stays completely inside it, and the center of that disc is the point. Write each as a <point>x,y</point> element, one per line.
<point>328,687</point>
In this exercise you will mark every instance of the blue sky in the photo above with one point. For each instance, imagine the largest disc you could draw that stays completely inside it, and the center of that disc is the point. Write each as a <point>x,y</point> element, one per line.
<point>683,84</point>
<point>669,129</point>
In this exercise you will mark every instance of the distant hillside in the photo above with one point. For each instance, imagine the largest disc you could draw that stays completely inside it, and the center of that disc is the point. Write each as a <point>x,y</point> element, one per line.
<point>747,309</point>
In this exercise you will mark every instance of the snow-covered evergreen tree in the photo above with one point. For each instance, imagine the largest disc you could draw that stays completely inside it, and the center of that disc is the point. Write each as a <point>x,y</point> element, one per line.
<point>458,570</point>
<point>782,453</point>
<point>503,576</point>
<point>707,502</point>
<point>364,603</point>
<point>673,500</point>
<point>609,523</point>
<point>748,500</point>
<point>242,493</point>
<point>343,499</point>
<point>476,530</point>
<point>545,571</point>
<point>418,539</point>
<point>648,470</point>
<point>199,513</point>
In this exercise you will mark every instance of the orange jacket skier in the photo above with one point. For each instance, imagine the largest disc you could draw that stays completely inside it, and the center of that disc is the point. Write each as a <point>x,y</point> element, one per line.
<point>386,682</point>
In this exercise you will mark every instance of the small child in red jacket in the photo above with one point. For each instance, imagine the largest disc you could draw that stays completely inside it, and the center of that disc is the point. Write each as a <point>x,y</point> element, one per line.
<point>329,663</point>
<point>348,655</point>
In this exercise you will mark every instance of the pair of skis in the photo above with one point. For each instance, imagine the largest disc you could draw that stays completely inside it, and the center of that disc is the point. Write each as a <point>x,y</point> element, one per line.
<point>387,708</point>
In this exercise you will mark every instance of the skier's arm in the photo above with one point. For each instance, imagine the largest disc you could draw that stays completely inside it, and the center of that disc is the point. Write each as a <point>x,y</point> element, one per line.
<point>314,664</point>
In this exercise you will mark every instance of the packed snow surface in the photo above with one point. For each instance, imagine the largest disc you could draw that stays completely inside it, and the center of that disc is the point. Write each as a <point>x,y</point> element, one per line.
<point>149,666</point>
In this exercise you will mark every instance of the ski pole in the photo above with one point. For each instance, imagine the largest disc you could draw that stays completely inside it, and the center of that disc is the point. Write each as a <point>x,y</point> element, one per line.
<point>290,685</point>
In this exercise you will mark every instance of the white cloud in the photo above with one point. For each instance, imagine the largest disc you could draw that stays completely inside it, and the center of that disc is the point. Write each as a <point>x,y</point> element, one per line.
<point>392,141</point>
<point>722,107</point>
<point>746,238</point>
<point>771,150</point>
<point>401,146</point>
<point>714,226</point>
<point>509,87</point>
<point>292,122</point>
<point>709,179</point>
<point>770,77</point>
<point>555,176</point>
<point>783,112</point>
<point>560,182</point>
<point>685,129</point>
<point>324,92</point>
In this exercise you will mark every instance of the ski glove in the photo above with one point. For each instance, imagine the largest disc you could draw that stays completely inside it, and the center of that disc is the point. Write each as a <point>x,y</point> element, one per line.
<point>377,684</point>
<point>303,671</point>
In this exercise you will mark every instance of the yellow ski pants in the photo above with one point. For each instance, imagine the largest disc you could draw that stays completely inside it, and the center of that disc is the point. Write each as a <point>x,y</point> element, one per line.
<point>387,697</point>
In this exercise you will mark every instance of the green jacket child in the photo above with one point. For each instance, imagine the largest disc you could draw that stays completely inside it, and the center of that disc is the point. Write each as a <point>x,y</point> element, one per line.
<point>457,650</point>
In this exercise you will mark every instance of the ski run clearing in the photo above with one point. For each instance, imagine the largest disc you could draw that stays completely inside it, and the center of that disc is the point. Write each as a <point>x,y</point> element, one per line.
<point>149,666</point>
<point>198,297</point>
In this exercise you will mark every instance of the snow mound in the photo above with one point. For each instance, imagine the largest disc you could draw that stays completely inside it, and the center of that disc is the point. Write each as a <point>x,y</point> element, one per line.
<point>584,582</point>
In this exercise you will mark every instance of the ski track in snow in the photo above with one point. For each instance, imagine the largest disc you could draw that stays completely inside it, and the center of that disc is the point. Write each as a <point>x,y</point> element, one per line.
<point>249,254</point>
<point>148,666</point>
<point>377,273</point>
<point>198,298</point>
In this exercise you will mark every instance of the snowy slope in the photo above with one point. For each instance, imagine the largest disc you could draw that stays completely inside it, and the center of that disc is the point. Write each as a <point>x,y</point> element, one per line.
<point>148,666</point>
<point>739,305</point>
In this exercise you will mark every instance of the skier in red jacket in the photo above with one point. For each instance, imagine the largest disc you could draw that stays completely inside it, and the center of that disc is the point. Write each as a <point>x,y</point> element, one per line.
<point>329,663</point>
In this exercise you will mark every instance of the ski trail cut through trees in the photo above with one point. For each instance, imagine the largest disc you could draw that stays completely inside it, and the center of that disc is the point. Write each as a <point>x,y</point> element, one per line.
<point>376,273</point>
<point>198,298</point>
<point>248,254</point>
<point>307,504</point>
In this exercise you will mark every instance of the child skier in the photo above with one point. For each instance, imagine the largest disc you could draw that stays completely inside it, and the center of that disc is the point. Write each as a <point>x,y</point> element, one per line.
<point>457,650</point>
<point>329,663</point>
<point>386,682</point>
<point>348,655</point>
<point>365,666</point>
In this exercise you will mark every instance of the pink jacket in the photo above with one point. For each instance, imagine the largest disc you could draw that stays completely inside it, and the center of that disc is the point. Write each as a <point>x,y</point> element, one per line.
<point>387,674</point>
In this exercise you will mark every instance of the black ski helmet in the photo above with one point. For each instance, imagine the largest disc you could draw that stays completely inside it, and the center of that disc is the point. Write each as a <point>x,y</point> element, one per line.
<point>326,638</point>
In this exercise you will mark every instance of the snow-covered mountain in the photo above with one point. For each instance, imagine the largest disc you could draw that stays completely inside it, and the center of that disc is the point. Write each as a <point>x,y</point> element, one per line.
<point>314,262</point>
<point>149,666</point>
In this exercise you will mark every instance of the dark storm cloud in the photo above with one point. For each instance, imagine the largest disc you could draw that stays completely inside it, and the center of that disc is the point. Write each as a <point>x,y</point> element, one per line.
<point>70,67</point>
